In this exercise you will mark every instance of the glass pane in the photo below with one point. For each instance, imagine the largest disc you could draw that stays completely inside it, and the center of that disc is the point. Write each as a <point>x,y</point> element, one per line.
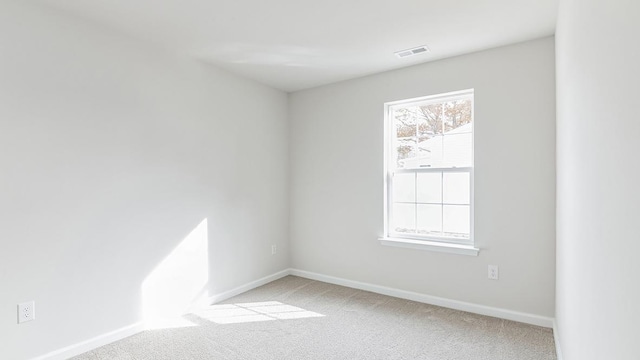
<point>457,116</point>
<point>457,150</point>
<point>429,153</point>
<point>457,188</point>
<point>404,218</point>
<point>406,151</point>
<point>456,221</point>
<point>430,220</point>
<point>429,120</point>
<point>405,123</point>
<point>429,187</point>
<point>429,127</point>
<point>404,188</point>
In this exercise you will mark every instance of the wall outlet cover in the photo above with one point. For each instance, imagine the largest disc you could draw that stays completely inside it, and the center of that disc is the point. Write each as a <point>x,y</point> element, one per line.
<point>493,272</point>
<point>26,311</point>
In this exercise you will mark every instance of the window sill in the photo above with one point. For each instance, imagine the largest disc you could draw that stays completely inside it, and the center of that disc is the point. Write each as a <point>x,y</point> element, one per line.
<point>430,246</point>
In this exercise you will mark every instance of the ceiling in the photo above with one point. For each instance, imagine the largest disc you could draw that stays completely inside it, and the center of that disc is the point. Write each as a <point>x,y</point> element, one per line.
<point>298,44</point>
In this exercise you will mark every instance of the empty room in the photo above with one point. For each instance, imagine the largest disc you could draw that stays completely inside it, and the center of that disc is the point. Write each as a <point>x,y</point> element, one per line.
<point>302,180</point>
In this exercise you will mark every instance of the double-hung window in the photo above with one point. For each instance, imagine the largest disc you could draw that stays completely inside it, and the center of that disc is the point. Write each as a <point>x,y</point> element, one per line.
<point>429,169</point>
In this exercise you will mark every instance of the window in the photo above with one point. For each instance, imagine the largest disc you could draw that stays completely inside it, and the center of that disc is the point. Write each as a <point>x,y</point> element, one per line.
<point>429,168</point>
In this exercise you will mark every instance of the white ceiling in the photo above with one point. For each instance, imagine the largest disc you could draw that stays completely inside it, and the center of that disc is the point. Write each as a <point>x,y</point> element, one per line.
<point>298,44</point>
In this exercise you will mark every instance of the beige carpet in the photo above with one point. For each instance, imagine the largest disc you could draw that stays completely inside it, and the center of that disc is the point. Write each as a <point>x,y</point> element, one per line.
<point>299,319</point>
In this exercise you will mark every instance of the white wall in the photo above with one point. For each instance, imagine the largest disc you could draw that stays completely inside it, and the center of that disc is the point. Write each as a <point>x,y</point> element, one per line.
<point>598,273</point>
<point>111,152</point>
<point>337,181</point>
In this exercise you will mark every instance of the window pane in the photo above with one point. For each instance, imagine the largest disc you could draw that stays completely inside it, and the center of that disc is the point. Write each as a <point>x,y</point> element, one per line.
<point>430,187</point>
<point>429,120</point>
<point>457,116</point>
<point>430,153</point>
<point>404,218</point>
<point>404,188</point>
<point>456,221</point>
<point>457,188</point>
<point>406,151</point>
<point>429,127</point>
<point>405,123</point>
<point>457,150</point>
<point>430,220</point>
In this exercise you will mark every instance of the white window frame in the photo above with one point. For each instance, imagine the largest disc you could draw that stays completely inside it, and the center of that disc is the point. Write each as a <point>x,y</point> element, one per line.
<point>429,242</point>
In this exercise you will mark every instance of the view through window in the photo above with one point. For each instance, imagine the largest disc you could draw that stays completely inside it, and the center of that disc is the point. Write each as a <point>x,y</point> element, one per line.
<point>429,168</point>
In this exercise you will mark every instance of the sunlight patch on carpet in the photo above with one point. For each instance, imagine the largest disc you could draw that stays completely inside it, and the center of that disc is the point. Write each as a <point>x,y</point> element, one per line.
<point>253,312</point>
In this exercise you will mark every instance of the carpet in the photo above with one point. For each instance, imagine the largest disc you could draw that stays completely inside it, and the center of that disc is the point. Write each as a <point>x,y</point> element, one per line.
<point>300,319</point>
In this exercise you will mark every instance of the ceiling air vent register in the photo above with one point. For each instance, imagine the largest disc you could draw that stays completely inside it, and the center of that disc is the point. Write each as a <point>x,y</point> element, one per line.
<point>411,52</point>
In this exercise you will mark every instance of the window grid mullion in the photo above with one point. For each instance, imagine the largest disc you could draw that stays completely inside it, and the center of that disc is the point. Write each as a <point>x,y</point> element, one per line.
<point>415,175</point>
<point>442,178</point>
<point>442,200</point>
<point>415,197</point>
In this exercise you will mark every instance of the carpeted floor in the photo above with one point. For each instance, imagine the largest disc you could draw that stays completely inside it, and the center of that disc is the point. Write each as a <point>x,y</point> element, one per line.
<point>299,319</point>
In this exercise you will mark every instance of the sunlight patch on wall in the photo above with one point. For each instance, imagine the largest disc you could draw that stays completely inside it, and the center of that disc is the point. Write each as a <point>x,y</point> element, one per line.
<point>253,312</point>
<point>178,282</point>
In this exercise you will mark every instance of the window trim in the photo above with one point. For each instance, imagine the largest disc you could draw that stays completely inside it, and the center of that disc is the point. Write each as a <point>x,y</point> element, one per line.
<point>430,246</point>
<point>434,243</point>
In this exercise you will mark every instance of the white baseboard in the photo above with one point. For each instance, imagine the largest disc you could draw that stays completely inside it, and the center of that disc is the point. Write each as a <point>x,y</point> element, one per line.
<point>249,286</point>
<point>93,343</point>
<point>433,300</point>
<point>556,338</point>
<point>119,334</point>
<point>101,340</point>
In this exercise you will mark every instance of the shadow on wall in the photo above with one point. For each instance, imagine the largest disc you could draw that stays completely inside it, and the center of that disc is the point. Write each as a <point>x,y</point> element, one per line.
<point>178,283</point>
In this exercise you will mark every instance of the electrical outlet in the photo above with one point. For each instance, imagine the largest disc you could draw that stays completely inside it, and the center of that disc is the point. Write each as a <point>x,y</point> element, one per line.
<point>26,311</point>
<point>493,272</point>
<point>274,249</point>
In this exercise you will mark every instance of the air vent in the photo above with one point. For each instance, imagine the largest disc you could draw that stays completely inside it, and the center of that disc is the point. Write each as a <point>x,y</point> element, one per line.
<point>410,52</point>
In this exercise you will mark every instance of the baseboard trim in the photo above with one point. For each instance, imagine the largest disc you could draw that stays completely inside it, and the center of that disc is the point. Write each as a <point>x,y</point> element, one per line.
<point>249,286</point>
<point>432,300</point>
<point>556,339</point>
<point>119,334</point>
<point>93,343</point>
